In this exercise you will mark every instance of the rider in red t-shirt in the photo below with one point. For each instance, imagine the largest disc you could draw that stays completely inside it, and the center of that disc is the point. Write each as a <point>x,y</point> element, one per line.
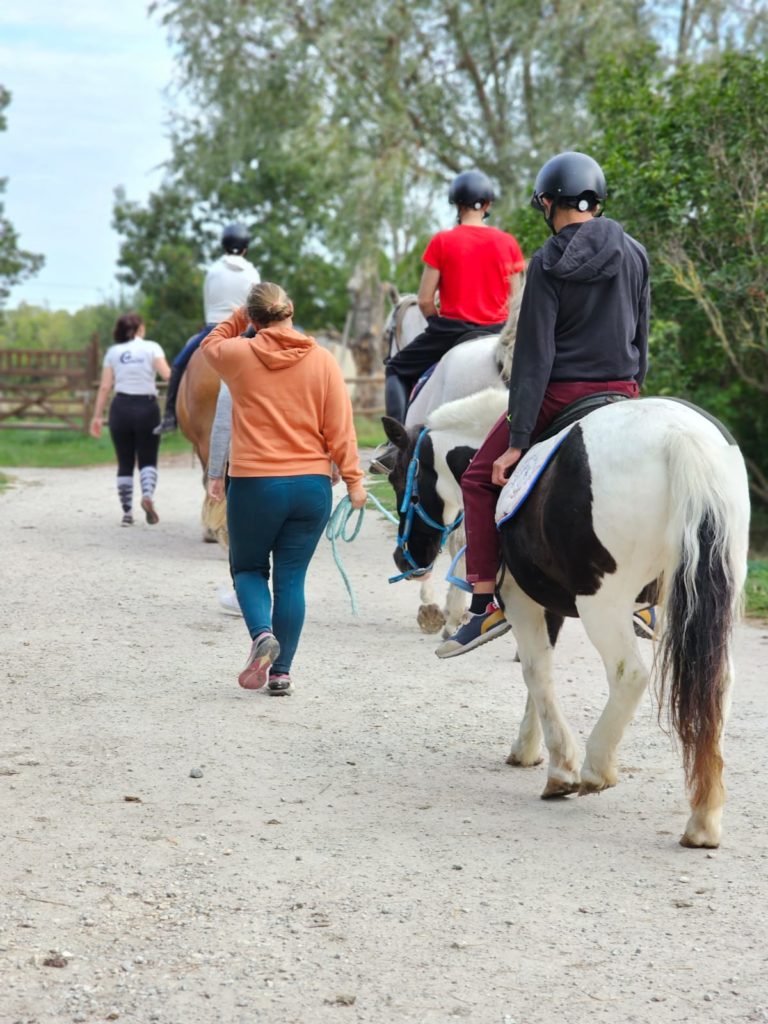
<point>465,287</point>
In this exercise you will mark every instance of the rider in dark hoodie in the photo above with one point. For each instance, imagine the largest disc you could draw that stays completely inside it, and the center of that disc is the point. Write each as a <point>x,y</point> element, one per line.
<point>583,329</point>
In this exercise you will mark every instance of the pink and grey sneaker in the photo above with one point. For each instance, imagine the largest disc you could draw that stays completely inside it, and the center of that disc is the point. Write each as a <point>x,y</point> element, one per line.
<point>279,684</point>
<point>474,631</point>
<point>264,650</point>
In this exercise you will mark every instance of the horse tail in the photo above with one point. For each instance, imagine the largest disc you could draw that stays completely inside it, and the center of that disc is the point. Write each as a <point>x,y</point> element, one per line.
<point>702,594</point>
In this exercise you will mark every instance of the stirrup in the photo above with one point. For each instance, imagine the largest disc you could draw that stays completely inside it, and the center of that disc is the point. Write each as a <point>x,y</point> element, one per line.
<point>379,464</point>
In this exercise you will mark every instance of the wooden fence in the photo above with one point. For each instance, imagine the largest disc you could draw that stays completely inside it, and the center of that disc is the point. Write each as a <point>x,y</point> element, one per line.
<point>54,389</point>
<point>48,389</point>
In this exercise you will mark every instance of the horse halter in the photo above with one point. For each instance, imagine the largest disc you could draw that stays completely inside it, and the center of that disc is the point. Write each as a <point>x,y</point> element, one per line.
<point>411,507</point>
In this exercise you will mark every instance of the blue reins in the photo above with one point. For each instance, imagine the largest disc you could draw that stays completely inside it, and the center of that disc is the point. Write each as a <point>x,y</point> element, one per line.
<point>411,507</point>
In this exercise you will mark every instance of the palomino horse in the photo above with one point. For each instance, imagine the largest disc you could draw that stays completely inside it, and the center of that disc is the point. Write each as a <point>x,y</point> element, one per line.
<point>467,368</point>
<point>599,530</point>
<point>195,408</point>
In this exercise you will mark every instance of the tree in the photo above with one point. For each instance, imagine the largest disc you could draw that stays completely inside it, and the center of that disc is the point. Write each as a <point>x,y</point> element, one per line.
<point>330,127</point>
<point>687,158</point>
<point>15,264</point>
<point>164,245</point>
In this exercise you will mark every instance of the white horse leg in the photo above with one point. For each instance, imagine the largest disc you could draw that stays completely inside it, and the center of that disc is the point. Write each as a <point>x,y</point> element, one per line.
<point>608,622</point>
<point>535,652</point>
<point>526,750</point>
<point>456,599</point>
<point>429,617</point>
<point>704,826</point>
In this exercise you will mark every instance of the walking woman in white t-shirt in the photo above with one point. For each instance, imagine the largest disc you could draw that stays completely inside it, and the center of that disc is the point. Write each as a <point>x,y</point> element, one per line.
<point>131,366</point>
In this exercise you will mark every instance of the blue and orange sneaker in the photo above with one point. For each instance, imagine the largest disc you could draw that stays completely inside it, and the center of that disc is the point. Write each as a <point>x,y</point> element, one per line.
<point>644,622</point>
<point>474,631</point>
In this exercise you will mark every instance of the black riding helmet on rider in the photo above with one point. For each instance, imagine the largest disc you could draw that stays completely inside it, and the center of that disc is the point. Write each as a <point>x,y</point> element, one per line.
<point>235,238</point>
<point>471,190</point>
<point>569,179</point>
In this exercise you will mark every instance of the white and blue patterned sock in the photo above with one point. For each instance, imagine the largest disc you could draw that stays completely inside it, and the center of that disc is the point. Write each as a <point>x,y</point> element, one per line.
<point>148,475</point>
<point>125,492</point>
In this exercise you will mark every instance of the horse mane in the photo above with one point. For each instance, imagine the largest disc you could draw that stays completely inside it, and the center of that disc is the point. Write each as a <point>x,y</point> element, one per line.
<point>505,346</point>
<point>468,415</point>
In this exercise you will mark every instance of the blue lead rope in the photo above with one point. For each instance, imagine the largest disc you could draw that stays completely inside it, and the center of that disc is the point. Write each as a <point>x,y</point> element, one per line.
<point>337,529</point>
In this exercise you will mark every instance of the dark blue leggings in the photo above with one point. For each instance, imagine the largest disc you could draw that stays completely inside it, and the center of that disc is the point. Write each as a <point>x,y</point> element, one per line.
<point>282,517</point>
<point>190,347</point>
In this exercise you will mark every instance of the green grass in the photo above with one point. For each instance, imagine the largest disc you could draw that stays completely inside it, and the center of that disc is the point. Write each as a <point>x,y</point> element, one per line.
<point>63,448</point>
<point>757,588</point>
<point>370,432</point>
<point>381,488</point>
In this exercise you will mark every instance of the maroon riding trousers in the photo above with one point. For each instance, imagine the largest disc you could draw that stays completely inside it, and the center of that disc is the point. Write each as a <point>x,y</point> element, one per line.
<point>481,494</point>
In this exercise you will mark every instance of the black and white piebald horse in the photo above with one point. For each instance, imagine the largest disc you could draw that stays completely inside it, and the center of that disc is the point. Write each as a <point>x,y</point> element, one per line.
<point>645,495</point>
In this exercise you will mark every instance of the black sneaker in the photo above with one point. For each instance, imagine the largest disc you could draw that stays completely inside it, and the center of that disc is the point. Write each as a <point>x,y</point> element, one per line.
<point>167,425</point>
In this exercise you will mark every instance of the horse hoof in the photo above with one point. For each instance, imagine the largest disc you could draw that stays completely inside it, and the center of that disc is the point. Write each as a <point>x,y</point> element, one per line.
<point>559,787</point>
<point>588,788</point>
<point>523,762</point>
<point>209,537</point>
<point>430,618</point>
<point>692,843</point>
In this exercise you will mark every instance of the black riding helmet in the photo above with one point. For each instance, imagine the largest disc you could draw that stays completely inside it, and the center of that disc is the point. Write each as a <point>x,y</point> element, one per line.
<point>235,238</point>
<point>571,179</point>
<point>471,189</point>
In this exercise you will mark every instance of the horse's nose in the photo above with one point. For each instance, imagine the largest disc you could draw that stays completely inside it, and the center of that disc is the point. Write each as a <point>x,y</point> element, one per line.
<point>400,560</point>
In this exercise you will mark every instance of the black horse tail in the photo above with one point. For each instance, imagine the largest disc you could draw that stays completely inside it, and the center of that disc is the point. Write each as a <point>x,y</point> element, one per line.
<point>707,539</point>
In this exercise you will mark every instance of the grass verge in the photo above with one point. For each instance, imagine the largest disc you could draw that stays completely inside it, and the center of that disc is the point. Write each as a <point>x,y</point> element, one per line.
<point>757,588</point>
<point>370,432</point>
<point>44,449</point>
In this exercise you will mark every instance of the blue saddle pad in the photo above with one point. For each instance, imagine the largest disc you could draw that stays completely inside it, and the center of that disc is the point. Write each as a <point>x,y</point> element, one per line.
<point>421,382</point>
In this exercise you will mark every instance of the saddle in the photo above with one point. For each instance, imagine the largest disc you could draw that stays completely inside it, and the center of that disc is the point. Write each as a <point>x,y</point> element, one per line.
<point>577,410</point>
<point>528,470</point>
<point>468,336</point>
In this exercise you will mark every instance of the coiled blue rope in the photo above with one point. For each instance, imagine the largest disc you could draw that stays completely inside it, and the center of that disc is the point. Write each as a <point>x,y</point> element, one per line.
<point>337,529</point>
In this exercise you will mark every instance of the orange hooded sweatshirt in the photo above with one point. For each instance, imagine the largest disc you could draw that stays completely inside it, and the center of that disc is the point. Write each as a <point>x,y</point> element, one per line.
<point>291,413</point>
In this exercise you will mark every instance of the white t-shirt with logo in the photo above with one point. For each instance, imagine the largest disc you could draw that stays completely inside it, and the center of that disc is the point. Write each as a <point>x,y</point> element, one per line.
<point>132,363</point>
<point>226,286</point>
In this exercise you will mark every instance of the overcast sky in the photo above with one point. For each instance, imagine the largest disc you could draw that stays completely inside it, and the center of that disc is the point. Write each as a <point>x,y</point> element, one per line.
<point>87,114</point>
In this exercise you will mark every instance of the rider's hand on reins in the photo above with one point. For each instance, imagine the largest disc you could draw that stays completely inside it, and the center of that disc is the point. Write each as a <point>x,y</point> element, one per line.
<point>503,465</point>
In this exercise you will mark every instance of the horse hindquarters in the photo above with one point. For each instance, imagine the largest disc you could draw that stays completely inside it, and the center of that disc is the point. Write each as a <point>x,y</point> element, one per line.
<point>708,530</point>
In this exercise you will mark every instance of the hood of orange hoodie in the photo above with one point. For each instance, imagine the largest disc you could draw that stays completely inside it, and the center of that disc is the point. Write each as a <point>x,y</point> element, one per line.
<point>280,347</point>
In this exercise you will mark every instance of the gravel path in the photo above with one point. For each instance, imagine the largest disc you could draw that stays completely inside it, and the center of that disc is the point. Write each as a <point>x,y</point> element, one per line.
<point>358,852</point>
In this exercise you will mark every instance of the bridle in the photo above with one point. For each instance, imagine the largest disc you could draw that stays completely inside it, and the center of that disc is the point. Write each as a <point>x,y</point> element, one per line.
<point>411,507</point>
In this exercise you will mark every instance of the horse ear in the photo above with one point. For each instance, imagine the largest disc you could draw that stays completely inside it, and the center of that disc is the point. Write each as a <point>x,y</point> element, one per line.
<point>396,432</point>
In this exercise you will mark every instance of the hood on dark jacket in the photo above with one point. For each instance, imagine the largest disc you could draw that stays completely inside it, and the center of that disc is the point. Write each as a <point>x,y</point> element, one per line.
<point>279,347</point>
<point>586,252</point>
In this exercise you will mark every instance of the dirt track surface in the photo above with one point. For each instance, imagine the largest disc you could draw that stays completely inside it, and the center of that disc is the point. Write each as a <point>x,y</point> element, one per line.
<point>358,852</point>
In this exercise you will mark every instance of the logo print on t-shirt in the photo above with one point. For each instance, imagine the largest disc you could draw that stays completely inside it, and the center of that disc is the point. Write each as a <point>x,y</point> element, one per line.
<point>127,357</point>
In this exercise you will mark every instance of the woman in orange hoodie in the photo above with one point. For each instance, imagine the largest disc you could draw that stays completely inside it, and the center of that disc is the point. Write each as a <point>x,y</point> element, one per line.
<point>291,419</point>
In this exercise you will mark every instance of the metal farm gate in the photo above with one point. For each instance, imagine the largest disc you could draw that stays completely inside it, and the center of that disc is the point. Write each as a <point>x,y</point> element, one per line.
<point>48,389</point>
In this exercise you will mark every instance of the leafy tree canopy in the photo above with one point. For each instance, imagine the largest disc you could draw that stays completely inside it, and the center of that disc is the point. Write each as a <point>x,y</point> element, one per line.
<point>687,165</point>
<point>15,264</point>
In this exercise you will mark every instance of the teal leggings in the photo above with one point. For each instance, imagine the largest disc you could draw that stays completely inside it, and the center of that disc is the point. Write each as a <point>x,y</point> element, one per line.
<point>282,517</point>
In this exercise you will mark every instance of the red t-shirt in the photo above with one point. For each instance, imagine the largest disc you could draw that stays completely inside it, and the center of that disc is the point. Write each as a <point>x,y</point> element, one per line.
<point>475,263</point>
